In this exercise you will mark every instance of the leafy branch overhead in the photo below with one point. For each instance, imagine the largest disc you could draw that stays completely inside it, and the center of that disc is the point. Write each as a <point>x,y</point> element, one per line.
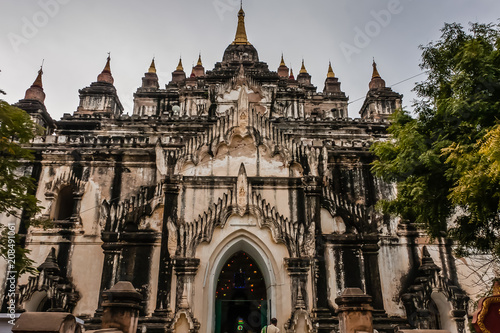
<point>446,160</point>
<point>17,197</point>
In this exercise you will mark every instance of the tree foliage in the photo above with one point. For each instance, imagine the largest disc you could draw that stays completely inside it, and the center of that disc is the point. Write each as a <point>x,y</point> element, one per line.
<point>16,185</point>
<point>446,160</point>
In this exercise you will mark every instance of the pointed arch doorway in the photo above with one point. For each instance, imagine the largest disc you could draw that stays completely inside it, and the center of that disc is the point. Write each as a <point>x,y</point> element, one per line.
<point>240,296</point>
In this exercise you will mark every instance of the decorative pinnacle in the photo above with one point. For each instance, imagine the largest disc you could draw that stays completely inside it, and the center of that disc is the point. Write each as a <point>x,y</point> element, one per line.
<point>105,75</point>
<point>36,90</point>
<point>330,70</point>
<point>241,34</point>
<point>375,74</point>
<point>179,66</point>
<point>107,68</point>
<point>303,68</point>
<point>38,80</point>
<point>152,67</point>
<point>199,60</point>
<point>291,74</point>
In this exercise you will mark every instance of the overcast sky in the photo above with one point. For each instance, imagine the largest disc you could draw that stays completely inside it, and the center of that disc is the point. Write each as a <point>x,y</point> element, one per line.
<point>74,37</point>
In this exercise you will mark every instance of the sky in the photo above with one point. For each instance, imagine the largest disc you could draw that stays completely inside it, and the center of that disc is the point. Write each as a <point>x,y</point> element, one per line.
<point>73,38</point>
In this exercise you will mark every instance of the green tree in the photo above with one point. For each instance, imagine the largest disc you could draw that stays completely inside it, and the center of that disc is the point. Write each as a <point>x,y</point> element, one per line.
<point>16,185</point>
<point>445,160</point>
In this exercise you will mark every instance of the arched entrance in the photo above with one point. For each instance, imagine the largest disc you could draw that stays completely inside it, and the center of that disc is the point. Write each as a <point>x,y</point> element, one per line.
<point>240,296</point>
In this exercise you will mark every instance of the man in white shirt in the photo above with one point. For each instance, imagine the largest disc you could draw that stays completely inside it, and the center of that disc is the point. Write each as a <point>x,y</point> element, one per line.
<point>271,328</point>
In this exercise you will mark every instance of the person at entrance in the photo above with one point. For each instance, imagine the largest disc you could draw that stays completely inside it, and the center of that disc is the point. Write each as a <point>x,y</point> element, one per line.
<point>271,328</point>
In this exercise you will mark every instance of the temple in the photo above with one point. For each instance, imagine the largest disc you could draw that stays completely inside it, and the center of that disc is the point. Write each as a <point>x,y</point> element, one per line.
<point>227,197</point>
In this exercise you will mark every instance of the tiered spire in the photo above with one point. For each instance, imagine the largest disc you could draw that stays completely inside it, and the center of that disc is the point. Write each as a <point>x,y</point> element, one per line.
<point>241,33</point>
<point>105,75</point>
<point>291,77</point>
<point>199,63</point>
<point>282,63</point>
<point>36,90</point>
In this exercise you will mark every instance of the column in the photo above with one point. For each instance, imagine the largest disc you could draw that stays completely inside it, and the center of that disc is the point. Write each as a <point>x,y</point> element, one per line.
<point>298,268</point>
<point>321,310</point>
<point>171,189</point>
<point>185,270</point>
<point>372,273</point>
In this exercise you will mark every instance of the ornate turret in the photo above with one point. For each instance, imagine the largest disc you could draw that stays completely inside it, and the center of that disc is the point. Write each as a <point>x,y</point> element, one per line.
<point>199,70</point>
<point>101,97</point>
<point>33,103</point>
<point>283,70</point>
<point>147,96</point>
<point>380,101</point>
<point>304,78</point>
<point>332,84</point>
<point>150,79</point>
<point>335,95</point>
<point>240,50</point>
<point>178,75</point>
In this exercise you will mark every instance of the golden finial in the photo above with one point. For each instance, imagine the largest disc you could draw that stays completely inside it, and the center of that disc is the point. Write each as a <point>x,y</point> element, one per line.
<point>303,68</point>
<point>241,34</point>
<point>282,63</point>
<point>375,74</point>
<point>152,67</point>
<point>291,74</point>
<point>330,70</point>
<point>179,66</point>
<point>199,60</point>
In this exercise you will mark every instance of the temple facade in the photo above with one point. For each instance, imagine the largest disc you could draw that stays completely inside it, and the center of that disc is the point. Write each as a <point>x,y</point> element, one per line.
<point>228,197</point>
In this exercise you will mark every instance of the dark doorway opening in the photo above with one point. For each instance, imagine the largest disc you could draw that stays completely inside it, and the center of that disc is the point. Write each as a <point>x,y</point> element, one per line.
<point>241,299</point>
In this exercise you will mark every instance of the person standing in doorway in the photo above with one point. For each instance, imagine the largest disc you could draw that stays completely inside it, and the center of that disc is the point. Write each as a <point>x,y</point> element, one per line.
<point>271,328</point>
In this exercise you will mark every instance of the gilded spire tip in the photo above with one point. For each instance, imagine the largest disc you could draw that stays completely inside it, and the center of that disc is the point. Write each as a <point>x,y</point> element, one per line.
<point>282,63</point>
<point>199,63</point>
<point>152,67</point>
<point>179,66</point>
<point>241,34</point>
<point>330,70</point>
<point>303,68</point>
